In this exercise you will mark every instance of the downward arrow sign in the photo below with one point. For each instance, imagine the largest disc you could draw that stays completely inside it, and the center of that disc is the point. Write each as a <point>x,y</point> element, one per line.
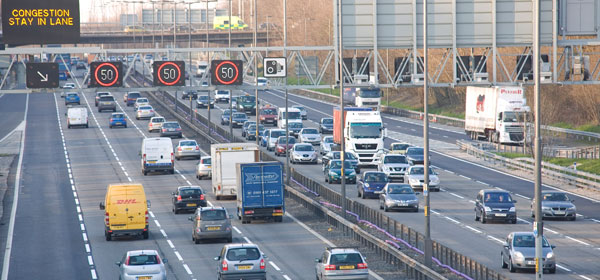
<point>44,78</point>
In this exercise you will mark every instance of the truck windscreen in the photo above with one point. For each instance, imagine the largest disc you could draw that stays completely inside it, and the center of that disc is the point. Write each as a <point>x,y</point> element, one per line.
<point>514,117</point>
<point>365,130</point>
<point>293,115</point>
<point>369,93</point>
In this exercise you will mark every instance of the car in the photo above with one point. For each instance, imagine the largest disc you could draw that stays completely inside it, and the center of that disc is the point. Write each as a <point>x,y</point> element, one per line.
<point>187,93</point>
<point>399,148</point>
<point>117,119</point>
<point>155,124</point>
<point>295,127</point>
<point>142,264</point>
<point>203,168</point>
<point>518,252</point>
<point>129,29</point>
<point>264,138</point>
<point>188,198</point>
<point>326,144</point>
<point>556,205</point>
<point>67,86</point>
<point>302,111</point>
<point>251,134</point>
<point>98,95</point>
<point>203,102</point>
<point>181,28</point>
<point>187,148</point>
<point>262,82</point>
<point>415,174</point>
<point>171,129</point>
<point>302,152</point>
<point>415,155</point>
<point>144,112</point>
<point>341,263</point>
<point>333,171</point>
<point>246,103</point>
<point>107,102</point>
<point>211,223</point>
<point>351,158</point>
<point>493,204</point>
<point>272,138</point>
<point>268,115</point>
<point>148,59</point>
<point>80,65</point>
<point>310,136</point>
<point>72,98</point>
<point>131,97</point>
<point>225,116</point>
<point>222,96</point>
<point>281,147</point>
<point>238,119</point>
<point>241,261</point>
<point>371,184</point>
<point>394,166</point>
<point>245,127</point>
<point>139,102</point>
<point>326,125</point>
<point>398,196</point>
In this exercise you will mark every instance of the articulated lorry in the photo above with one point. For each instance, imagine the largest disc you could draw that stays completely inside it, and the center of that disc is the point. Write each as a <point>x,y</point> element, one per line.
<point>364,133</point>
<point>498,114</point>
<point>260,191</point>
<point>224,158</point>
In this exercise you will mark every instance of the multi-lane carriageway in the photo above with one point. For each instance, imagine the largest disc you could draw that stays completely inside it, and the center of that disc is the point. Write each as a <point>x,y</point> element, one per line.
<point>59,228</point>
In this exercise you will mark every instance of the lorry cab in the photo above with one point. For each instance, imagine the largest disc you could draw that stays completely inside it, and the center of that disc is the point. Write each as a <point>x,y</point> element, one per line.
<point>368,98</point>
<point>294,116</point>
<point>364,133</point>
<point>77,116</point>
<point>125,211</point>
<point>157,155</point>
<point>222,23</point>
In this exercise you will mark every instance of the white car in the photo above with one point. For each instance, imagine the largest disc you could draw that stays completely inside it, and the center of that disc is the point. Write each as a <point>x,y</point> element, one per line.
<point>67,86</point>
<point>142,264</point>
<point>155,124</point>
<point>262,82</point>
<point>302,152</point>
<point>310,136</point>
<point>140,102</point>
<point>415,177</point>
<point>204,168</point>
<point>222,96</point>
<point>394,166</point>
<point>272,138</point>
<point>326,144</point>
<point>144,112</point>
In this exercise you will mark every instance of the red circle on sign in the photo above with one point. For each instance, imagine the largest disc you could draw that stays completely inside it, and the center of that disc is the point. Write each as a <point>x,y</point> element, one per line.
<point>237,72</point>
<point>178,73</point>
<point>116,74</point>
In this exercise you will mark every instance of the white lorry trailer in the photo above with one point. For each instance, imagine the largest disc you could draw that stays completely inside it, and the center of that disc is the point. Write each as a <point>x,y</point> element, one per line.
<point>224,159</point>
<point>498,114</point>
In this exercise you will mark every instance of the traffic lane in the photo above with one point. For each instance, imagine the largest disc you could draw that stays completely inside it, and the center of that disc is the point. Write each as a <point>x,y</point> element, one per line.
<point>46,210</point>
<point>12,112</point>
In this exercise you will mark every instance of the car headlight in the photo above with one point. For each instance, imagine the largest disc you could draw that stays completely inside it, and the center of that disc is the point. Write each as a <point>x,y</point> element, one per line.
<point>333,174</point>
<point>435,180</point>
<point>572,207</point>
<point>353,173</point>
<point>413,181</point>
<point>390,169</point>
<point>519,257</point>
<point>545,208</point>
<point>512,209</point>
<point>487,209</point>
<point>550,255</point>
<point>366,185</point>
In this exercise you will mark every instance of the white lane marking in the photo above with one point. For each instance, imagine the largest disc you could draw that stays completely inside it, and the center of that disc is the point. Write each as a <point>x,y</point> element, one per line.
<point>434,212</point>
<point>82,226</point>
<point>473,229</point>
<point>274,266</point>
<point>237,230</point>
<point>162,231</point>
<point>187,269</point>
<point>495,239</point>
<point>563,268</point>
<point>87,248</point>
<point>522,196</point>
<point>170,243</point>
<point>288,278</point>
<point>80,217</point>
<point>94,275</point>
<point>85,238</point>
<point>483,183</point>
<point>151,214</point>
<point>472,201</point>
<point>595,220</point>
<point>577,240</point>
<point>90,260</point>
<point>525,221</point>
<point>178,256</point>
<point>247,240</point>
<point>453,194</point>
<point>584,277</point>
<point>453,220</point>
<point>547,229</point>
<point>460,175</point>
<point>157,223</point>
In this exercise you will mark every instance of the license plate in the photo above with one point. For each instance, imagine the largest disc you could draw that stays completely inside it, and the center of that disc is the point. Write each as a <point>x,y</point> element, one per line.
<point>244,267</point>
<point>346,267</point>
<point>530,262</point>
<point>208,167</point>
<point>191,204</point>
<point>559,212</point>
<point>119,123</point>
<point>152,161</point>
<point>500,215</point>
<point>378,192</point>
<point>144,277</point>
<point>188,149</point>
<point>213,228</point>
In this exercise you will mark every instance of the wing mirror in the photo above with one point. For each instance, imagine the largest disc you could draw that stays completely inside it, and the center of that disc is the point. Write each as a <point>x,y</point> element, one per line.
<point>317,260</point>
<point>191,218</point>
<point>102,206</point>
<point>118,263</point>
<point>148,204</point>
<point>553,246</point>
<point>505,245</point>
<point>217,258</point>
<point>230,216</point>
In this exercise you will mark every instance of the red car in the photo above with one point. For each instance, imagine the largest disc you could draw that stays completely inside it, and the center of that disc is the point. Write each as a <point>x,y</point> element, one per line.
<point>281,148</point>
<point>268,115</point>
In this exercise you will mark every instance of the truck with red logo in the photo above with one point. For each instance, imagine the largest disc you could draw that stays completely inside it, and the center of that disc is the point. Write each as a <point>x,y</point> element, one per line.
<point>498,114</point>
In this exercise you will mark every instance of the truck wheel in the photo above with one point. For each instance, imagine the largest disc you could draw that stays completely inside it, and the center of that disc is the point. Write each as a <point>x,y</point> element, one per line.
<point>145,172</point>
<point>145,235</point>
<point>108,236</point>
<point>278,219</point>
<point>218,197</point>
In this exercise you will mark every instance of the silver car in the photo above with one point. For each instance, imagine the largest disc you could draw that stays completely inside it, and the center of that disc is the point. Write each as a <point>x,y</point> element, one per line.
<point>211,223</point>
<point>415,176</point>
<point>302,152</point>
<point>341,263</point>
<point>171,129</point>
<point>241,261</point>
<point>107,102</point>
<point>187,148</point>
<point>144,112</point>
<point>557,205</point>
<point>398,196</point>
<point>204,168</point>
<point>394,166</point>
<point>155,124</point>
<point>303,112</point>
<point>142,264</point>
<point>326,144</point>
<point>310,136</point>
<point>518,252</point>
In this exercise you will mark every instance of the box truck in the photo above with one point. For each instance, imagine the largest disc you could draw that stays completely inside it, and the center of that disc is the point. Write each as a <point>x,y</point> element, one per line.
<point>260,191</point>
<point>364,133</point>
<point>498,114</point>
<point>224,159</point>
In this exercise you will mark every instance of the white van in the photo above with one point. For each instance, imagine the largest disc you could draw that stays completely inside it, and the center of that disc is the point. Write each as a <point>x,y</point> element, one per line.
<point>157,155</point>
<point>77,116</point>
<point>224,157</point>
<point>295,116</point>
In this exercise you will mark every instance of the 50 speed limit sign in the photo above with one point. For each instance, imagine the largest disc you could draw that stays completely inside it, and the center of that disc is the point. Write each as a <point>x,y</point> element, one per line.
<point>227,72</point>
<point>168,73</point>
<point>106,74</point>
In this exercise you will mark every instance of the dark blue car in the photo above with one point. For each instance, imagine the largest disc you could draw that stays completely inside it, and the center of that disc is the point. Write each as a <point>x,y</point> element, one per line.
<point>371,184</point>
<point>72,97</point>
<point>117,119</point>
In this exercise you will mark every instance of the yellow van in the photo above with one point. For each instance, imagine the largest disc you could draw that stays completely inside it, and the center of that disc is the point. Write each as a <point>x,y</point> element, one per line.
<point>125,211</point>
<point>222,23</point>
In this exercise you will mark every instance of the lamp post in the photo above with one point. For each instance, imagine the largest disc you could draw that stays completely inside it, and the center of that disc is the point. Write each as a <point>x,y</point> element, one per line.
<point>255,11</point>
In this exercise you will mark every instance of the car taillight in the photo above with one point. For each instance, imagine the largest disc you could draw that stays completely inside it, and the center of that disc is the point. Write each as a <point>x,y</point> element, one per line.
<point>151,111</point>
<point>201,197</point>
<point>362,266</point>
<point>164,130</point>
<point>144,159</point>
<point>224,266</point>
<point>172,159</point>
<point>178,197</point>
<point>110,120</point>
<point>179,149</point>
<point>262,264</point>
<point>197,147</point>
<point>178,129</point>
<point>219,187</point>
<point>107,219</point>
<point>330,267</point>
<point>127,261</point>
<point>157,259</point>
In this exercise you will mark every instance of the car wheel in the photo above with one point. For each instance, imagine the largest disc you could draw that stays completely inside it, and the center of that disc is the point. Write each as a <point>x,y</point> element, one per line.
<point>514,221</point>
<point>552,270</point>
<point>69,126</point>
<point>573,218</point>
<point>125,126</point>
<point>110,126</point>
<point>504,265</point>
<point>532,214</point>
<point>145,235</point>
<point>380,205</point>
<point>326,179</point>
<point>511,268</point>
<point>175,211</point>
<point>385,208</point>
<point>483,221</point>
<point>145,173</point>
<point>172,171</point>
<point>476,217</point>
<point>416,209</point>
<point>358,193</point>
<point>196,241</point>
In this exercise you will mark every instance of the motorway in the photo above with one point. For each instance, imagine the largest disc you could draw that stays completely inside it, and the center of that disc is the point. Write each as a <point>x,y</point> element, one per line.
<point>578,243</point>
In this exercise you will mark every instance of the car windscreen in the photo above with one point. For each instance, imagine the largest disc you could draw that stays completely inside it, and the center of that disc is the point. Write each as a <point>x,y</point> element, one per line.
<point>400,146</point>
<point>206,161</point>
<point>142,260</point>
<point>170,125</point>
<point>146,108</point>
<point>133,95</point>
<point>293,115</point>
<point>497,197</point>
<point>336,155</point>
<point>555,197</point>
<point>310,131</point>
<point>295,125</point>
<point>158,120</point>
<point>213,215</point>
<point>223,92</point>
<point>142,100</point>
<point>71,95</point>
<point>400,189</point>
<point>420,171</point>
<point>304,148</point>
<point>291,140</point>
<point>415,151</point>
<point>247,99</point>
<point>328,139</point>
<point>107,98</point>
<point>369,93</point>
<point>118,116</point>
<point>327,121</point>
<point>277,133</point>
<point>395,159</point>
<point>345,258</point>
<point>190,192</point>
<point>187,143</point>
<point>337,164</point>
<point>240,254</point>
<point>528,241</point>
<point>239,116</point>
<point>375,177</point>
<point>268,112</point>
<point>203,97</point>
